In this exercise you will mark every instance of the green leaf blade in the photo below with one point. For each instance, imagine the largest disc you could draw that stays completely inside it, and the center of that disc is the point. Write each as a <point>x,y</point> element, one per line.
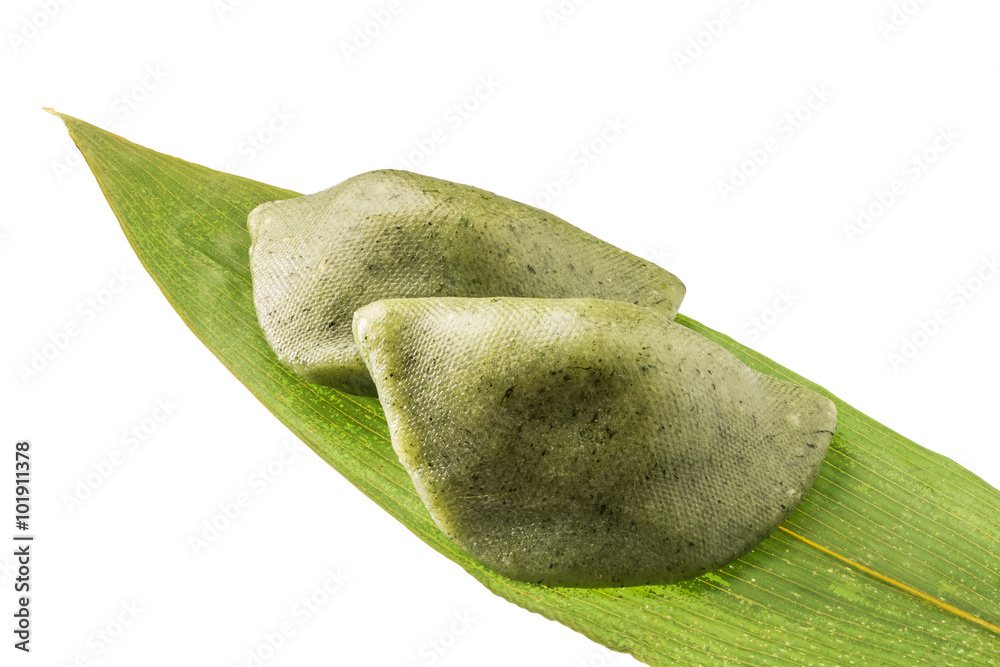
<point>881,501</point>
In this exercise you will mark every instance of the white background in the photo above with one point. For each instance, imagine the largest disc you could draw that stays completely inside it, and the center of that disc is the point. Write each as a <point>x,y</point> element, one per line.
<point>201,80</point>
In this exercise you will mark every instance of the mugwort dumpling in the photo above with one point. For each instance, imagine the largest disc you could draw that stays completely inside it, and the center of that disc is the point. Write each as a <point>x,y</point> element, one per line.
<point>584,442</point>
<point>316,259</point>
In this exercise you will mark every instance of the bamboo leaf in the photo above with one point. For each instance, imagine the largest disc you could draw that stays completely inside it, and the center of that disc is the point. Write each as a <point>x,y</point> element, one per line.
<point>891,559</point>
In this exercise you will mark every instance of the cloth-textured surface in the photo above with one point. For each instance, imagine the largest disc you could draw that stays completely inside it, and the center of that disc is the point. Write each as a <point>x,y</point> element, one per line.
<point>586,442</point>
<point>316,259</point>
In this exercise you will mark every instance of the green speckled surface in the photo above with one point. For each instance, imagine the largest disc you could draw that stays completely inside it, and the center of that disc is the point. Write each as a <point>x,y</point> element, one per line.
<point>583,442</point>
<point>316,259</point>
